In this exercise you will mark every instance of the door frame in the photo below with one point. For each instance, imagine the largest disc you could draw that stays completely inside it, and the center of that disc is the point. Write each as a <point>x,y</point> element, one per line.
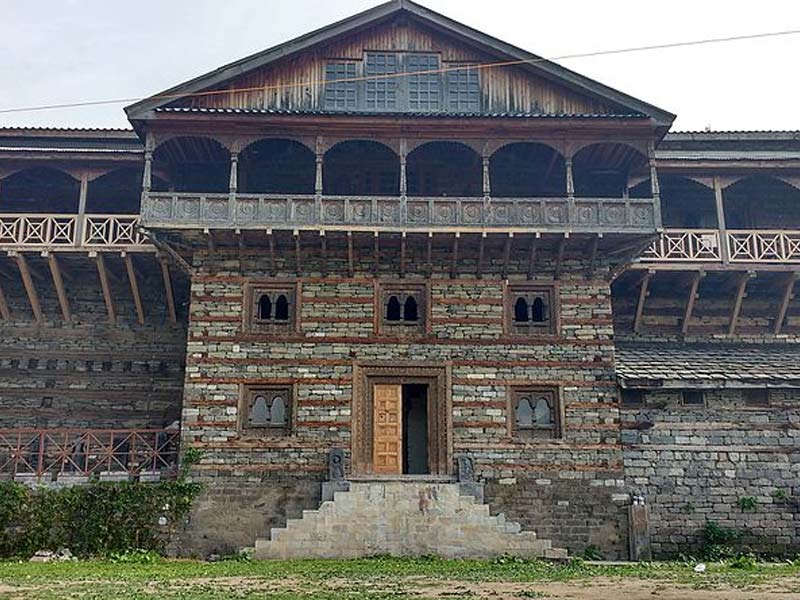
<point>440,430</point>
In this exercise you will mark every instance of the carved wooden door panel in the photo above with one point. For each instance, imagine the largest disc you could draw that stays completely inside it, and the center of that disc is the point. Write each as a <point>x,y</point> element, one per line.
<point>387,427</point>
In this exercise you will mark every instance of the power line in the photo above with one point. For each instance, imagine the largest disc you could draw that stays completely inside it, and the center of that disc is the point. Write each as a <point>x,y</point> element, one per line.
<point>462,67</point>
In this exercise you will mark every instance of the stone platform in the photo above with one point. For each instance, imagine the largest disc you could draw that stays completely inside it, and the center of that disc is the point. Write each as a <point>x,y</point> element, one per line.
<point>402,518</point>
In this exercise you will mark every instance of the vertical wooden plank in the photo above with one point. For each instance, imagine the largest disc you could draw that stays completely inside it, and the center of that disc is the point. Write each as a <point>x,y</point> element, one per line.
<point>30,288</point>
<point>104,283</point>
<point>173,317</point>
<point>58,281</point>
<point>137,298</point>
<point>387,427</point>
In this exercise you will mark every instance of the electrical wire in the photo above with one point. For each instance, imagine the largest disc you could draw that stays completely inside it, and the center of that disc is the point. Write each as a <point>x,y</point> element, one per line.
<point>461,67</point>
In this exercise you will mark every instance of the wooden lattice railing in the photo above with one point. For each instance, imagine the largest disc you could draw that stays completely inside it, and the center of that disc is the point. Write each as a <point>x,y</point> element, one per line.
<point>62,231</point>
<point>703,245</point>
<point>45,454</point>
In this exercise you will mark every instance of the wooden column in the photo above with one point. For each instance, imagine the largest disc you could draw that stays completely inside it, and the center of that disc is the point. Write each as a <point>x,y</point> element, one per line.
<point>319,156</point>
<point>233,185</point>
<point>643,293</point>
<point>691,300</point>
<point>723,230</point>
<point>570,177</point>
<point>487,184</point>
<point>403,167</point>
<point>80,224</point>
<point>786,299</point>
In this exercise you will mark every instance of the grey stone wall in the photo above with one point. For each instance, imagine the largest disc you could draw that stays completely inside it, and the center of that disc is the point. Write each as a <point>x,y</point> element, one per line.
<point>694,464</point>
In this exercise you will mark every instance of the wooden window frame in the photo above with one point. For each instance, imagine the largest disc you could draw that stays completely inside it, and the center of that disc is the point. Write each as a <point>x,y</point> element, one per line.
<point>551,327</point>
<point>420,289</point>
<point>252,292</point>
<point>247,391</point>
<point>698,405</point>
<point>330,96</point>
<point>515,392</point>
<point>453,100</point>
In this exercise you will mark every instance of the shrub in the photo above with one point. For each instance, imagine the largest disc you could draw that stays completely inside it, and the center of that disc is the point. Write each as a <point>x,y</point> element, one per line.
<point>747,503</point>
<point>718,542</point>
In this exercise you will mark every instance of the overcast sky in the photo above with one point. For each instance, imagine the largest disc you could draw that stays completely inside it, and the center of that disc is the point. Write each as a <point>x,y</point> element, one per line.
<point>56,51</point>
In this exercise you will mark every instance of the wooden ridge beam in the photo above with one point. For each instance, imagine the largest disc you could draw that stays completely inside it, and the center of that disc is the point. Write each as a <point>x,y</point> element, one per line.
<point>786,299</point>
<point>691,300</point>
<point>58,282</point>
<point>173,316</point>
<point>741,287</point>
<point>134,283</point>
<point>30,287</point>
<point>106,286</point>
<point>643,293</point>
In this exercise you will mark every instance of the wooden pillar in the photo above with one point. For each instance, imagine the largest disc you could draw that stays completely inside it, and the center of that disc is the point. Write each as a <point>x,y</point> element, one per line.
<point>570,177</point>
<point>319,156</point>
<point>80,225</point>
<point>487,184</point>
<point>403,168</point>
<point>723,229</point>
<point>234,177</point>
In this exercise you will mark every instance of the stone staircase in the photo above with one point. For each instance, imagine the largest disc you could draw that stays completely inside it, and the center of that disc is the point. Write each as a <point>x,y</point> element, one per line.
<point>402,518</point>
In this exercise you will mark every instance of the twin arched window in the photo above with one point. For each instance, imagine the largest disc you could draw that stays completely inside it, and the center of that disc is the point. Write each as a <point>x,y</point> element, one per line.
<point>268,408</point>
<point>408,311</point>
<point>530,309</point>
<point>272,308</point>
<point>535,414</point>
<point>403,308</point>
<point>281,308</point>
<point>533,312</point>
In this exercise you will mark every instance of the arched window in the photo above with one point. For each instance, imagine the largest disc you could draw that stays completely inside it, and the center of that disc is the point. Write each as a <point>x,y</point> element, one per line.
<point>524,413</point>
<point>282,308</point>
<point>538,310</point>
<point>521,310</point>
<point>278,411</point>
<point>259,412</point>
<point>535,414</point>
<point>265,307</point>
<point>410,309</point>
<point>268,410</point>
<point>393,309</point>
<point>542,415</point>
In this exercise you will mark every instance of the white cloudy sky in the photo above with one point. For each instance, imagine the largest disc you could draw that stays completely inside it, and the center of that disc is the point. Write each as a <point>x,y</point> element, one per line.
<point>56,51</point>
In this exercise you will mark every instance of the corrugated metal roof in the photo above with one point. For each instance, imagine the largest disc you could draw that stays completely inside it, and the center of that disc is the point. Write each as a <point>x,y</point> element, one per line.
<point>705,363</point>
<point>434,115</point>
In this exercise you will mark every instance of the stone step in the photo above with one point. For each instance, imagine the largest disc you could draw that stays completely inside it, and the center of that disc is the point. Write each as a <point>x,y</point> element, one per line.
<point>402,518</point>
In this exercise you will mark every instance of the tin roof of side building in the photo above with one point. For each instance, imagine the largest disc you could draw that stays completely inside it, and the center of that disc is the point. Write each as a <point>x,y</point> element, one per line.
<point>649,365</point>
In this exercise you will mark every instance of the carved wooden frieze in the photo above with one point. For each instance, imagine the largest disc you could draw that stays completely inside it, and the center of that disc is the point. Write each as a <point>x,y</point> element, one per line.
<point>184,210</point>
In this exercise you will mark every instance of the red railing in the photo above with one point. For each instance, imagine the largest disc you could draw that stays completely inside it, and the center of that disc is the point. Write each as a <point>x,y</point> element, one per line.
<point>59,453</point>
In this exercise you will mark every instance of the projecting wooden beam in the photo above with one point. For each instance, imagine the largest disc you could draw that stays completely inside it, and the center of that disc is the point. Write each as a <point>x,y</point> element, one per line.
<point>106,286</point>
<point>643,292</point>
<point>58,282</point>
<point>173,317</point>
<point>532,256</point>
<point>788,287</point>
<point>5,312</point>
<point>403,254</point>
<point>562,244</point>
<point>350,267</point>
<point>691,300</point>
<point>454,264</point>
<point>134,283</point>
<point>507,255</point>
<point>741,286</point>
<point>30,288</point>
<point>481,253</point>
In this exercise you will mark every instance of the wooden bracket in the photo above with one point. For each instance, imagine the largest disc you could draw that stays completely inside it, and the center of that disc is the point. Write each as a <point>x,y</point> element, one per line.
<point>173,317</point>
<point>30,288</point>
<point>350,265</point>
<point>691,300</point>
<point>741,286</point>
<point>58,282</point>
<point>5,312</point>
<point>643,293</point>
<point>323,242</point>
<point>297,259</point>
<point>783,308</point>
<point>106,285</point>
<point>430,254</point>
<point>481,254</point>
<point>134,283</point>
<point>532,255</point>
<point>271,244</point>
<point>592,256</point>
<point>403,254</point>
<point>376,252</point>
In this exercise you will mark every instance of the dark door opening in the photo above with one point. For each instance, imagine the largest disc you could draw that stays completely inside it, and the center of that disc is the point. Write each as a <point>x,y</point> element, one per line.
<point>415,429</point>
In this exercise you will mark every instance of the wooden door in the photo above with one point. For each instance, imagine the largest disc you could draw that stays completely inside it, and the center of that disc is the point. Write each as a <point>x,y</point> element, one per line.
<point>387,427</point>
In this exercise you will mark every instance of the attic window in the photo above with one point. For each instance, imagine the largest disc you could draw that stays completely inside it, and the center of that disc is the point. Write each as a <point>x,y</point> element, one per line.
<point>341,89</point>
<point>382,88</point>
<point>463,90</point>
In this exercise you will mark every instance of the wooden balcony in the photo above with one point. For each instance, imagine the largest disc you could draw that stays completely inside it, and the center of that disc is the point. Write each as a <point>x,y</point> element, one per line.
<point>167,210</point>
<point>732,246</point>
<point>32,231</point>
<point>46,455</point>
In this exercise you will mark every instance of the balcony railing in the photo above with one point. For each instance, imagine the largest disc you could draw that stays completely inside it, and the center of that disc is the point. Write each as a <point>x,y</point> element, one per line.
<point>64,231</point>
<point>743,246</point>
<point>242,211</point>
<point>47,454</point>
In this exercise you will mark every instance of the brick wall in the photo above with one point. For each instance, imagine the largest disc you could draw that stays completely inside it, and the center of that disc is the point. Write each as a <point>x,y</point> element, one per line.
<point>466,332</point>
<point>695,463</point>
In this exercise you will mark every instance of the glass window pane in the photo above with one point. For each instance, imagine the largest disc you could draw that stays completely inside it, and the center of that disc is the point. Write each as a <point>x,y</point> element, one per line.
<point>424,91</point>
<point>463,90</point>
<point>381,92</point>
<point>340,85</point>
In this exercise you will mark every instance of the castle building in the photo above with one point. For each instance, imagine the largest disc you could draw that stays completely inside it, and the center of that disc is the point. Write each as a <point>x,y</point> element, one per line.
<point>395,277</point>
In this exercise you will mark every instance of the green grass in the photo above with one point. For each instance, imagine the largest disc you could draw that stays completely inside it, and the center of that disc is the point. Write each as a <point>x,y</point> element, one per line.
<point>369,579</point>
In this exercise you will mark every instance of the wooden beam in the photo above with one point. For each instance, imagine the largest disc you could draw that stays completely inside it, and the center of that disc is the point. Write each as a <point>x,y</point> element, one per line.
<point>350,266</point>
<point>430,254</point>
<point>643,293</point>
<point>173,317</point>
<point>788,287</point>
<point>58,282</point>
<point>106,286</point>
<point>211,245</point>
<point>691,300</point>
<point>296,235</point>
<point>271,244</point>
<point>507,255</point>
<point>454,263</point>
<point>30,288</point>
<point>532,256</point>
<point>481,252</point>
<point>376,252</point>
<point>5,312</point>
<point>562,244</point>
<point>592,256</point>
<point>403,254</point>
<point>323,242</point>
<point>134,283</point>
<point>738,299</point>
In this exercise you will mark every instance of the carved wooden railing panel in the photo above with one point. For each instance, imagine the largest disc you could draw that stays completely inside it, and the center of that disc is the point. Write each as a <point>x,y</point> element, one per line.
<point>764,246</point>
<point>48,453</point>
<point>685,245</point>
<point>220,211</point>
<point>112,230</point>
<point>37,230</point>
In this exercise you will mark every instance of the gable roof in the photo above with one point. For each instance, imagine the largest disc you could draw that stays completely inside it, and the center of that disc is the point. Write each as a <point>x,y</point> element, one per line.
<point>493,46</point>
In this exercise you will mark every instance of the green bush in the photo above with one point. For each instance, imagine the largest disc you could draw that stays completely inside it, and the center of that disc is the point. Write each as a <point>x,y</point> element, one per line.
<point>99,519</point>
<point>719,542</point>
